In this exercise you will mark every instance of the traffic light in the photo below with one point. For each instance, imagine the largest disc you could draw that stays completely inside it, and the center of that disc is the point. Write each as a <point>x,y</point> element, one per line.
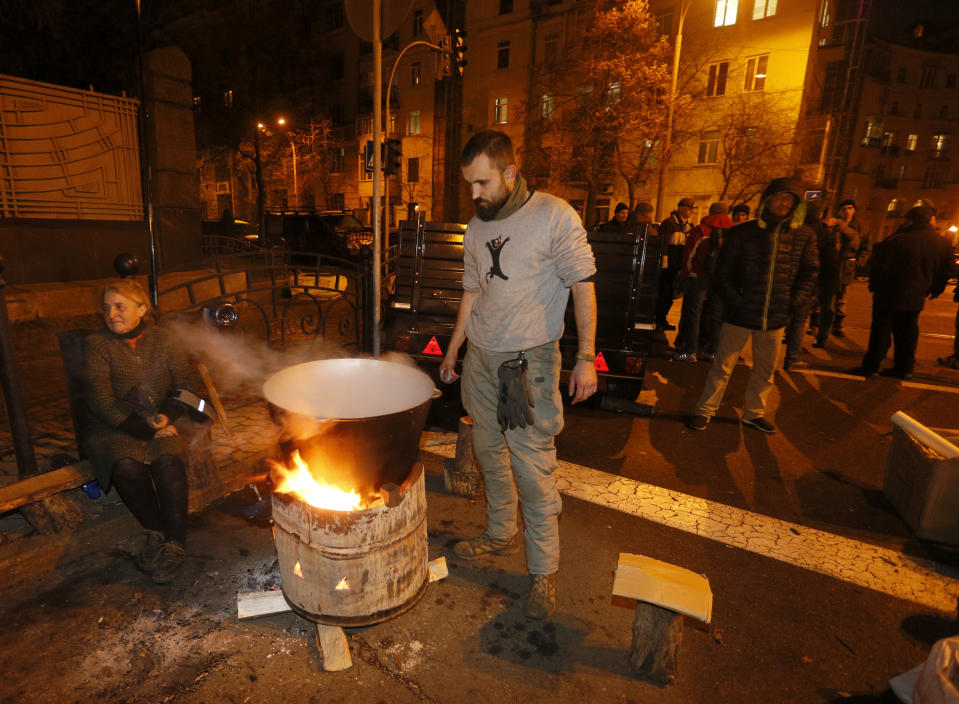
<point>458,50</point>
<point>394,156</point>
<point>444,62</point>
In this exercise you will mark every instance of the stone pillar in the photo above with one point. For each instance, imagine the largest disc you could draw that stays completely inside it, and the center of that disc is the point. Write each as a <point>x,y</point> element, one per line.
<point>171,144</point>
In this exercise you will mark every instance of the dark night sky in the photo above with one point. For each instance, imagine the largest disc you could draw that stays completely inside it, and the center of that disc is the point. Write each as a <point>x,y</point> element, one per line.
<point>79,43</point>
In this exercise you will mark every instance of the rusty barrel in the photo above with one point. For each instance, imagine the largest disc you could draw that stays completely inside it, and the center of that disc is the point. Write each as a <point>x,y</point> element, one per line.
<point>353,568</point>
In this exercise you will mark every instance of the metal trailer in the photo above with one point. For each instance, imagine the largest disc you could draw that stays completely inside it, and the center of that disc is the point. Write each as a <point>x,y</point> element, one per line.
<point>428,287</point>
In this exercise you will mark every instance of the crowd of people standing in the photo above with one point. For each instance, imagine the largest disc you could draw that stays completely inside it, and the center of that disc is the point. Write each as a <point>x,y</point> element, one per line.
<point>785,273</point>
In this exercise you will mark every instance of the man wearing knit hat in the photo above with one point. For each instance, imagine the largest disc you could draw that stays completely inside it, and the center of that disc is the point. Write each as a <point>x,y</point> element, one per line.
<point>850,234</point>
<point>766,270</point>
<point>618,223</point>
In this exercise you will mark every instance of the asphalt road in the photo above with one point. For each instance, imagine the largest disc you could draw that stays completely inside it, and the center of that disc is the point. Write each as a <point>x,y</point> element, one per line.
<point>93,629</point>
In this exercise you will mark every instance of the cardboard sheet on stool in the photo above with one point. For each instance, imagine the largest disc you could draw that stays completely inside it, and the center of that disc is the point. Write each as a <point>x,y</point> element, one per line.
<point>675,588</point>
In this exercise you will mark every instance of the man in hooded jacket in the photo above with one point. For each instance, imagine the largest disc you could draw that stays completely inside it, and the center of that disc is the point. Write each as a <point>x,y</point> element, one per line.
<point>766,272</point>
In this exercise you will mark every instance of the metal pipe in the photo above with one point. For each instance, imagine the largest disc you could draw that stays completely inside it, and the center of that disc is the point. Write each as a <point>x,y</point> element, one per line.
<point>146,171</point>
<point>12,393</point>
<point>377,168</point>
<point>668,137</point>
<point>924,435</point>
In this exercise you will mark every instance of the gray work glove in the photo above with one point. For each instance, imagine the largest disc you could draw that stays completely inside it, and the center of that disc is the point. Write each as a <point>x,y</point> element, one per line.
<point>515,399</point>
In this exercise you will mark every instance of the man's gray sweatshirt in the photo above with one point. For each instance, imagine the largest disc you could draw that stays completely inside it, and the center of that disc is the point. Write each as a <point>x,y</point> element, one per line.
<point>522,268</point>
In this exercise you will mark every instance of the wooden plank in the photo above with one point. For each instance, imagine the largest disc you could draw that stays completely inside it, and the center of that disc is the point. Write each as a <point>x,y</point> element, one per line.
<point>332,644</point>
<point>675,588</point>
<point>254,604</point>
<point>27,491</point>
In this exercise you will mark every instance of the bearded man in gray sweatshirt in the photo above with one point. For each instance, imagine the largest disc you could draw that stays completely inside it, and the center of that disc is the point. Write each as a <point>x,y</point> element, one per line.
<point>524,252</point>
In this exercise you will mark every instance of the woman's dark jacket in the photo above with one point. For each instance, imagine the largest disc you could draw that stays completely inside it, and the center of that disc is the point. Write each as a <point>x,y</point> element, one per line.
<point>767,271</point>
<point>913,262</point>
<point>113,427</point>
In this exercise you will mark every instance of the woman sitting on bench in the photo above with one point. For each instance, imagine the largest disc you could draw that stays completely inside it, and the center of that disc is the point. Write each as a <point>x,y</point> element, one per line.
<point>132,367</point>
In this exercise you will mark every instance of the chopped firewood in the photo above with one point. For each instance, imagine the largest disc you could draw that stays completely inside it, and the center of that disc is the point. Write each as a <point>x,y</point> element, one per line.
<point>657,636</point>
<point>438,569</point>
<point>333,646</point>
<point>461,474</point>
<point>253,604</point>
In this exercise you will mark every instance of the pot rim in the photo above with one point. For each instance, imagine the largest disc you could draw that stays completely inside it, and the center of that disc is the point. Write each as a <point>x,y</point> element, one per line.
<point>348,388</point>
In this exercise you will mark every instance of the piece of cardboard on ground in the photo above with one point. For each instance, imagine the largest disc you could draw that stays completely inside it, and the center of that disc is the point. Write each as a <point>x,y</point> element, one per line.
<point>656,582</point>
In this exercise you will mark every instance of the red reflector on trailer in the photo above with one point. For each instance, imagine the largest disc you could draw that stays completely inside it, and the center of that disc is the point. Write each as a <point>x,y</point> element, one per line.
<point>433,347</point>
<point>634,365</point>
<point>600,363</point>
<point>403,343</point>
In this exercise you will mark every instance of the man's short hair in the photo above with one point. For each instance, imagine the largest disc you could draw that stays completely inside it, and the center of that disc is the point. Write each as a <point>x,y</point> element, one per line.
<point>497,146</point>
<point>741,208</point>
<point>686,203</point>
<point>718,208</point>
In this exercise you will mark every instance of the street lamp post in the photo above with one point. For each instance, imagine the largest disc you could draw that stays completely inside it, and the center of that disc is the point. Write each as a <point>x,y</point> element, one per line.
<point>296,192</point>
<point>260,222</point>
<point>668,137</point>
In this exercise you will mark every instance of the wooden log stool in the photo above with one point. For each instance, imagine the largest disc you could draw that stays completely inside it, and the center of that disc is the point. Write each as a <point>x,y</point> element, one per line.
<point>664,592</point>
<point>461,474</point>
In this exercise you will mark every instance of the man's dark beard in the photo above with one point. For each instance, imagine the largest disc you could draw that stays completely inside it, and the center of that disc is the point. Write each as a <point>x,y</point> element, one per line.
<point>487,210</point>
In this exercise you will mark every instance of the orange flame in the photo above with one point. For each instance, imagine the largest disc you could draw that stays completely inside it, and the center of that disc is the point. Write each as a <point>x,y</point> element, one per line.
<point>300,481</point>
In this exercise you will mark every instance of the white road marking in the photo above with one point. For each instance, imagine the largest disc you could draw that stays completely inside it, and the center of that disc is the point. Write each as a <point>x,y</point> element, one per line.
<point>854,377</point>
<point>913,579</point>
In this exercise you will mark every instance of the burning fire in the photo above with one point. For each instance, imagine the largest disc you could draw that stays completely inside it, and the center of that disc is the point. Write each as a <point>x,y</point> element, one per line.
<point>300,481</point>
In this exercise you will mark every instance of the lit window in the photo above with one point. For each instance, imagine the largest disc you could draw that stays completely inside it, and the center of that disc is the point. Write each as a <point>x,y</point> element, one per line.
<point>708,147</point>
<point>764,8</point>
<point>414,122</point>
<point>940,145</point>
<point>416,73</point>
<point>912,141</point>
<point>756,73</point>
<point>499,111</point>
<point>716,84</point>
<point>502,55</point>
<point>872,133</point>
<point>725,12</point>
<point>548,106</point>
<point>228,98</point>
<point>893,206</point>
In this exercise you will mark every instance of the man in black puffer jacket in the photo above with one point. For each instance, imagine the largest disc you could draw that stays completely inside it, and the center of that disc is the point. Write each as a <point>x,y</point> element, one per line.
<point>910,264</point>
<point>766,271</point>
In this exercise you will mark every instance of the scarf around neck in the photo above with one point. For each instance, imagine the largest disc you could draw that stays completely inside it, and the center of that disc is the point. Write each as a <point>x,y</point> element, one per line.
<point>517,199</point>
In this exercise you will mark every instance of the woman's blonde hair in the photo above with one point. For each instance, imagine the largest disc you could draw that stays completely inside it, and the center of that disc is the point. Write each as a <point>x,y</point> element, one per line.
<point>129,288</point>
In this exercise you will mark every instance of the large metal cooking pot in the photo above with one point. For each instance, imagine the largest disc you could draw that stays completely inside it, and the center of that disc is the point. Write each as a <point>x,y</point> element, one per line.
<point>356,422</point>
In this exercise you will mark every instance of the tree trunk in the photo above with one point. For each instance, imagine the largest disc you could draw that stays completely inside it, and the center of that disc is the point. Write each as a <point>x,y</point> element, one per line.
<point>657,635</point>
<point>461,475</point>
